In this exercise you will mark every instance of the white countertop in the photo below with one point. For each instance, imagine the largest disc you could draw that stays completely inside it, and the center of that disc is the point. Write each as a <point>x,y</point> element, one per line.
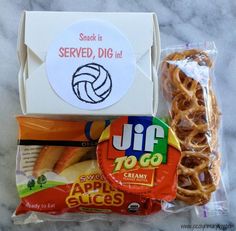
<point>180,22</point>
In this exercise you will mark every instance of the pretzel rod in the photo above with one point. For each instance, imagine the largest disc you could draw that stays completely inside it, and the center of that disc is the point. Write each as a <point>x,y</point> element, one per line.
<point>195,119</point>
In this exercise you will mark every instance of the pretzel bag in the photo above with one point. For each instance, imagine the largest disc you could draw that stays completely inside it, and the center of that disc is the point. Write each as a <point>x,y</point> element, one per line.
<point>186,82</point>
<point>58,177</point>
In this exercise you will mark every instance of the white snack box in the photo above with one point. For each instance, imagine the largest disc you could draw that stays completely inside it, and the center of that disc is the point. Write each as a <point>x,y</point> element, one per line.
<point>37,30</point>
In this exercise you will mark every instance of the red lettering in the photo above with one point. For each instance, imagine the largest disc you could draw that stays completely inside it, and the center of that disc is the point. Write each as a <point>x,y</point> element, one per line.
<point>105,188</point>
<point>81,36</point>
<point>108,199</point>
<point>97,185</point>
<point>87,187</point>
<point>80,198</point>
<point>61,52</point>
<point>90,177</point>
<point>67,52</point>
<point>105,53</point>
<point>77,189</point>
<point>117,199</point>
<point>95,199</point>
<point>100,52</point>
<point>84,53</point>
<point>112,189</point>
<point>90,200</point>
<point>73,52</point>
<point>89,52</point>
<point>73,202</point>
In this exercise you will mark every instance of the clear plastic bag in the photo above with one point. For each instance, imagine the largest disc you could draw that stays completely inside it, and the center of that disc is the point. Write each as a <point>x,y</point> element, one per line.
<point>187,83</point>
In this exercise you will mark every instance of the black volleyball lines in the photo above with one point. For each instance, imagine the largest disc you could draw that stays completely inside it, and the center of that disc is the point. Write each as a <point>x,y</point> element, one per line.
<point>92,83</point>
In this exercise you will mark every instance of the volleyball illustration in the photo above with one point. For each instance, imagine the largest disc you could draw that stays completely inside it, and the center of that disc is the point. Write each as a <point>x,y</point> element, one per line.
<point>92,83</point>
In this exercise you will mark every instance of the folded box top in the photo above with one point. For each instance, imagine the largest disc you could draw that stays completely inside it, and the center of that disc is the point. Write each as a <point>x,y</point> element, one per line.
<point>88,61</point>
<point>47,25</point>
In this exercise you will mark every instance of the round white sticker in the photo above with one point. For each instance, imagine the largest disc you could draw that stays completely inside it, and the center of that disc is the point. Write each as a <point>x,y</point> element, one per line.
<point>91,65</point>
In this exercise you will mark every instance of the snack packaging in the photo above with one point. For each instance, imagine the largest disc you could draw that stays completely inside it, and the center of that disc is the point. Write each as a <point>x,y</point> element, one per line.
<point>57,174</point>
<point>139,155</point>
<point>187,82</point>
<point>131,167</point>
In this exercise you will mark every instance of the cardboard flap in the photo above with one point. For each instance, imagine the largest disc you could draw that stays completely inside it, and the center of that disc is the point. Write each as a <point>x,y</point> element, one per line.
<point>156,48</point>
<point>21,83</point>
<point>33,62</point>
<point>38,24</point>
<point>21,52</point>
<point>21,48</point>
<point>35,96</point>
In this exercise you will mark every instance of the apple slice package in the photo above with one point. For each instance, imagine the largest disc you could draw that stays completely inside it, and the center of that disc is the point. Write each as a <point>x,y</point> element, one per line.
<point>57,172</point>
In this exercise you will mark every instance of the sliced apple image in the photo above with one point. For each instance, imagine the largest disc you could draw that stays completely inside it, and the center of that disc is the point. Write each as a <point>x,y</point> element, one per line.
<point>70,156</point>
<point>46,159</point>
<point>82,168</point>
<point>96,129</point>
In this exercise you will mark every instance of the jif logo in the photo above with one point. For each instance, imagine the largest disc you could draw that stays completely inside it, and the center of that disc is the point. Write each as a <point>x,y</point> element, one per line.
<point>140,142</point>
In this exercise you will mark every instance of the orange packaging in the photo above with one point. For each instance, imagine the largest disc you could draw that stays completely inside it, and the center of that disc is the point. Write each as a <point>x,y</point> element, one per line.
<point>57,171</point>
<point>139,155</point>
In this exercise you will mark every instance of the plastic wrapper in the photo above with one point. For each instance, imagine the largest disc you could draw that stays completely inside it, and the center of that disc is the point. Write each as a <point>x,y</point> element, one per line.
<point>58,177</point>
<point>187,84</point>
